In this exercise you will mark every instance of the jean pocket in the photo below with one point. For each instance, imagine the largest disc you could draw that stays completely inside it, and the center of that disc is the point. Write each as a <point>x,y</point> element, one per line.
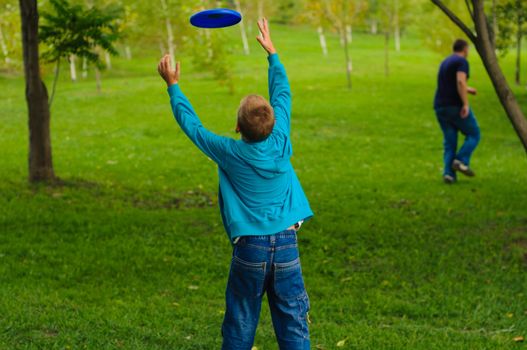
<point>247,278</point>
<point>288,281</point>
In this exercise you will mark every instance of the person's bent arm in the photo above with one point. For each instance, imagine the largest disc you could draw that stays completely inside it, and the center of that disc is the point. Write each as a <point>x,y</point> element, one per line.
<point>214,146</point>
<point>462,90</point>
<point>279,90</point>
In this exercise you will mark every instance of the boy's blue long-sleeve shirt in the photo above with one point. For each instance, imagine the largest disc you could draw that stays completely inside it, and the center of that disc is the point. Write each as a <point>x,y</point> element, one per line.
<point>259,192</point>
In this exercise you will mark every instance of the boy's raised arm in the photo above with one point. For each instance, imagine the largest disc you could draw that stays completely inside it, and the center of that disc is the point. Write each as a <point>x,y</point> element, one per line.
<point>214,146</point>
<point>279,90</point>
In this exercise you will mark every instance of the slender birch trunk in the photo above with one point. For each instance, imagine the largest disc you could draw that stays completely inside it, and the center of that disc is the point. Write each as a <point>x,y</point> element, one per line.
<point>209,44</point>
<point>347,56</point>
<point>260,8</point>
<point>373,26</point>
<point>397,29</point>
<point>386,53</point>
<point>98,80</point>
<point>108,60</point>
<point>3,46</point>
<point>128,52</point>
<point>84,68</point>
<point>349,33</point>
<point>73,68</point>
<point>322,39</point>
<point>397,38</point>
<point>242,29</point>
<point>170,33</point>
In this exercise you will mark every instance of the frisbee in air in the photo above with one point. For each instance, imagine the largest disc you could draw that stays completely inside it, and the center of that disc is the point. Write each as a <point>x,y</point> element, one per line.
<point>215,18</point>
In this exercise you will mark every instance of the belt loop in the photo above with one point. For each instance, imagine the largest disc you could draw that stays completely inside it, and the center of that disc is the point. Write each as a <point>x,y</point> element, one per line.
<point>272,239</point>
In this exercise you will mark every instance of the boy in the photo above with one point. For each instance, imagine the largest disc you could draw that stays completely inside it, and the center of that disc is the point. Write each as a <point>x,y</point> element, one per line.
<point>262,205</point>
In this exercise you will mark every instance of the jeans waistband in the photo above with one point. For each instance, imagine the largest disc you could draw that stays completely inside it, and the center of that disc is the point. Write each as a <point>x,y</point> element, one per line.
<point>282,234</point>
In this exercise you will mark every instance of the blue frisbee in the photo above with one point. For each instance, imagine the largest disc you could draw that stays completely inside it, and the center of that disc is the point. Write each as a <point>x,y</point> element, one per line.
<point>215,18</point>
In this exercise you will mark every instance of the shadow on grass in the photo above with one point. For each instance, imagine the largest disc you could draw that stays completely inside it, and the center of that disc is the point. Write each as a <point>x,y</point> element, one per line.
<point>517,243</point>
<point>80,189</point>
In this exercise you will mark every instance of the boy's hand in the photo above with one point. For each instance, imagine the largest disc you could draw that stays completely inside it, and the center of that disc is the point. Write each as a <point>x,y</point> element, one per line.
<point>169,75</point>
<point>265,37</point>
<point>472,91</point>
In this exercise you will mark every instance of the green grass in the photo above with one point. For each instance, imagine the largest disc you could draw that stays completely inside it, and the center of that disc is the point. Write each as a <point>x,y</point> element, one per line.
<point>130,252</point>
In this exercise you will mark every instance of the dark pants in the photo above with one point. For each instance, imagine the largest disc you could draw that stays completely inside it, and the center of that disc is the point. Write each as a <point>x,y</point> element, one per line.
<point>451,123</point>
<point>266,264</point>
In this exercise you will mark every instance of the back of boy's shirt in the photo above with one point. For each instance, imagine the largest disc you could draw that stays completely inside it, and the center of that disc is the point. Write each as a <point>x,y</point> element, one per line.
<point>259,191</point>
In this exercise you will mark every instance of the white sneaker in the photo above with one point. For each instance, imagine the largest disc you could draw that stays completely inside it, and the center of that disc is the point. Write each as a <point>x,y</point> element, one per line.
<point>448,179</point>
<point>462,168</point>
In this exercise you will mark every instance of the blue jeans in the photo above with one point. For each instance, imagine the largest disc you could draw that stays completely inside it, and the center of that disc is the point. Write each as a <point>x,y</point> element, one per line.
<point>266,264</point>
<point>451,122</point>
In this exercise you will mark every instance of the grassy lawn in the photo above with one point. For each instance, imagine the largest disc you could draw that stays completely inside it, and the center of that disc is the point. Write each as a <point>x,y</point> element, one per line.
<point>130,251</point>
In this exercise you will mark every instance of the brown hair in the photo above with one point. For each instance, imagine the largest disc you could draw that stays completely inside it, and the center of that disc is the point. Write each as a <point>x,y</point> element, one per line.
<point>255,118</point>
<point>459,45</point>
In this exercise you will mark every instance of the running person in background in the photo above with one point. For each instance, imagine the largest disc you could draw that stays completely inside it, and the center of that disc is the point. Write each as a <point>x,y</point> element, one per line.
<point>454,113</point>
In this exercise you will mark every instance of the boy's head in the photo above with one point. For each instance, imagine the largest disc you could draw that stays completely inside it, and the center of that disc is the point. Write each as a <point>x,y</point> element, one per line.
<point>255,118</point>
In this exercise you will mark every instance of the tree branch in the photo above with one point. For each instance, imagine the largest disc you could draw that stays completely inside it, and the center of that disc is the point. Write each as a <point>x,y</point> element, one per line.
<point>457,21</point>
<point>469,10</point>
<point>331,17</point>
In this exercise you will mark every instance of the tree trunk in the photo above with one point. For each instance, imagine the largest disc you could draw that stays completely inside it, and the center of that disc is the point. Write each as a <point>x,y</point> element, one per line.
<point>128,52</point>
<point>260,9</point>
<point>40,159</point>
<point>108,60</point>
<point>98,79</point>
<point>344,39</point>
<point>84,68</point>
<point>55,79</point>
<point>519,38</point>
<point>73,69</point>
<point>488,56</point>
<point>373,26</point>
<point>242,29</point>
<point>210,50</point>
<point>3,46</point>
<point>322,39</point>
<point>386,53</point>
<point>397,38</point>
<point>397,29</point>
<point>170,32</point>
<point>349,34</point>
